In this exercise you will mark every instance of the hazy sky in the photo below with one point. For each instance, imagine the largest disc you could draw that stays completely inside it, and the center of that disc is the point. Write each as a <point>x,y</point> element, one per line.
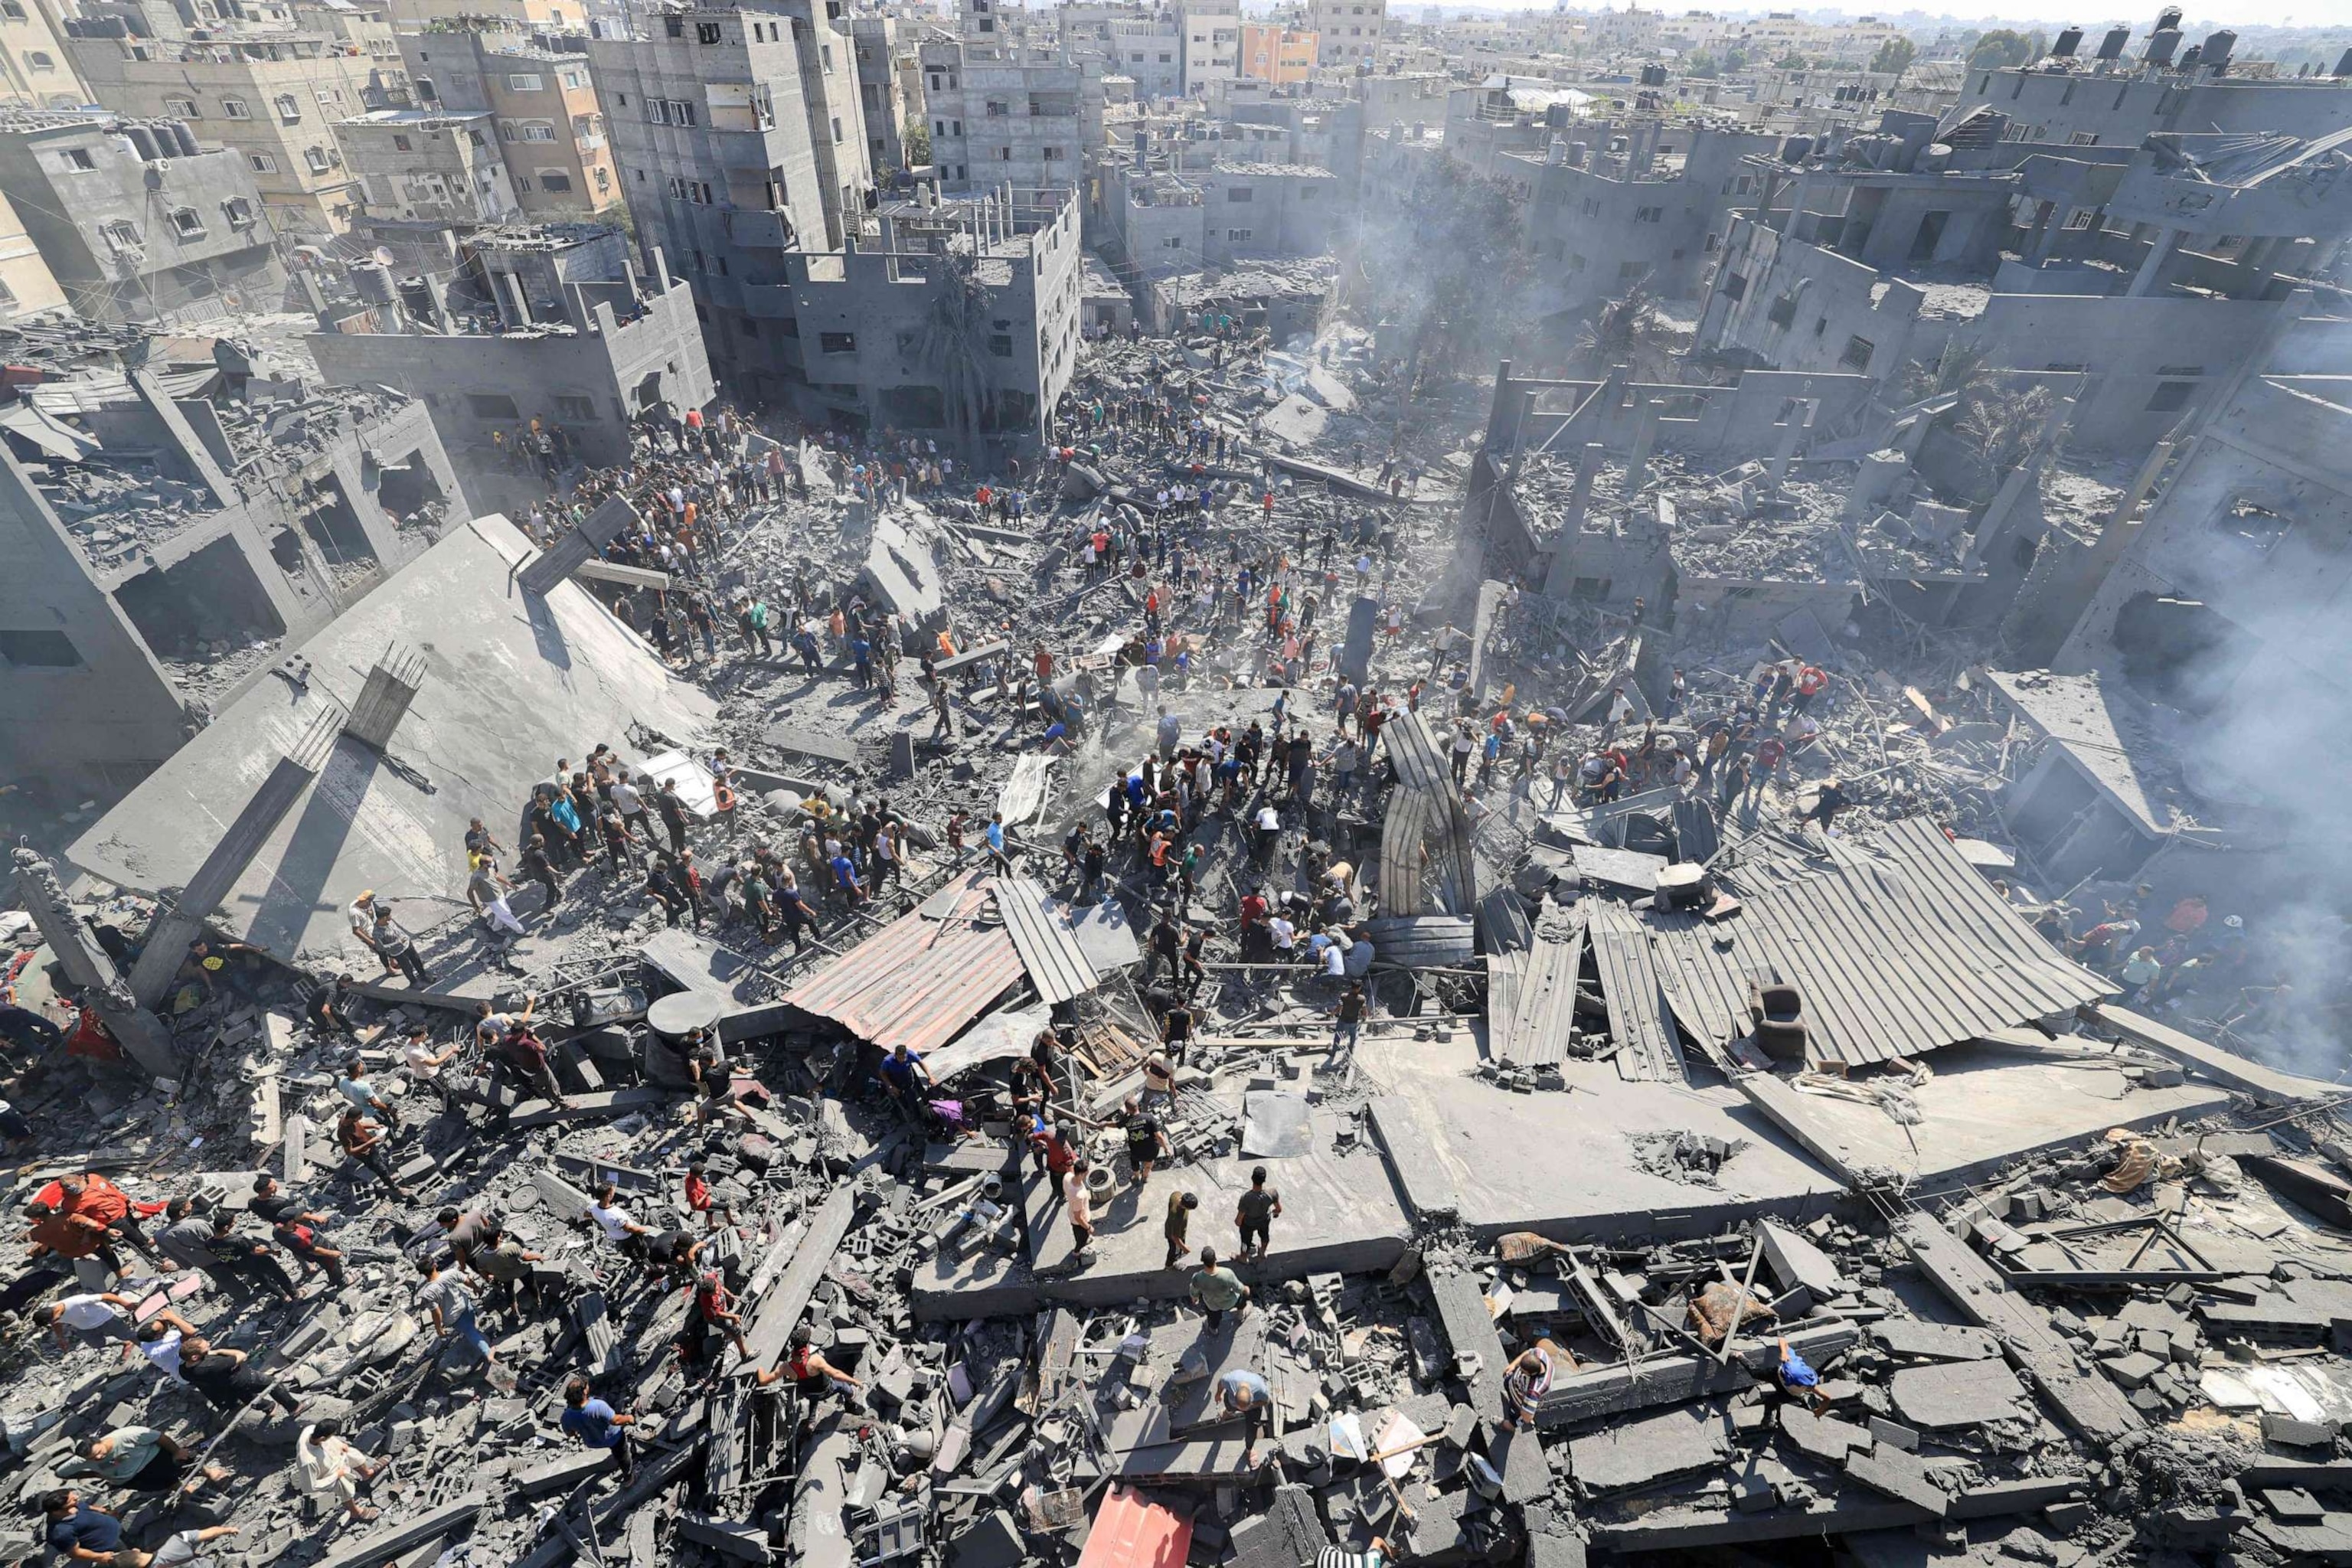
<point>2140,13</point>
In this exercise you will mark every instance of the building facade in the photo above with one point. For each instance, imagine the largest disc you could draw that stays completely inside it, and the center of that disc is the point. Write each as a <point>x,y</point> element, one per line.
<point>133,223</point>
<point>272,98</point>
<point>35,71</point>
<point>1346,32</point>
<point>997,117</point>
<point>28,291</point>
<point>739,140</point>
<point>549,125</point>
<point>1281,56</point>
<point>415,166</point>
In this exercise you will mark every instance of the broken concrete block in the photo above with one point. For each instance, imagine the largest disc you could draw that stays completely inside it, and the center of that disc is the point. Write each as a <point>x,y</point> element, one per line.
<point>1900,1476</point>
<point>2132,1370</point>
<point>2297,1434</point>
<point>1893,1434</point>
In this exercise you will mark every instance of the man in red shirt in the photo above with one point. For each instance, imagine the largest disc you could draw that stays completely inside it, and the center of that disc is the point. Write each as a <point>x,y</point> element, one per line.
<point>91,1202</point>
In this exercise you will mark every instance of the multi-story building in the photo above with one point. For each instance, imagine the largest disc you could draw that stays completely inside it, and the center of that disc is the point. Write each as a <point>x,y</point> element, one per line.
<point>1001,114</point>
<point>1145,43</point>
<point>432,15</point>
<point>739,140</point>
<point>35,71</point>
<point>271,97</point>
<point>1346,32</point>
<point>1212,52</point>
<point>550,124</point>
<point>888,62</point>
<point>154,563</point>
<point>1278,55</point>
<point>552,323</point>
<point>414,166</point>
<point>133,222</point>
<point>981,294</point>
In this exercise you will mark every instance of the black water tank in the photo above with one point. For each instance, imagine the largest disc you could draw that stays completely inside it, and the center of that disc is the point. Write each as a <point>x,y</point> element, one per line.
<point>2189,60</point>
<point>2218,49</point>
<point>2069,40</point>
<point>2342,65</point>
<point>2162,46</point>
<point>2111,47</point>
<point>2169,18</point>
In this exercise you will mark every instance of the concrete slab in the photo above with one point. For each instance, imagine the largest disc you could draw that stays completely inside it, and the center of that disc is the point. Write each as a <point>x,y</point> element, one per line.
<point>512,683</point>
<point>1564,1166</point>
<point>1917,1338</point>
<point>1642,1453</point>
<point>1340,1214</point>
<point>1958,1393</point>
<point>1987,1105</point>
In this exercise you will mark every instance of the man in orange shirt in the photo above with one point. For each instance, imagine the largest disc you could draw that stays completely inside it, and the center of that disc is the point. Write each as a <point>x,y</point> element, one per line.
<point>91,1202</point>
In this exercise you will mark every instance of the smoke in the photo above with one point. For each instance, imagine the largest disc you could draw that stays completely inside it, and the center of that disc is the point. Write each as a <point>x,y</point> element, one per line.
<point>1441,271</point>
<point>2260,685</point>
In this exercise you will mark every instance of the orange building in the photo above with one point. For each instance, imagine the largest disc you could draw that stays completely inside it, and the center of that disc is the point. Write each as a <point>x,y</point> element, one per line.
<point>1276,54</point>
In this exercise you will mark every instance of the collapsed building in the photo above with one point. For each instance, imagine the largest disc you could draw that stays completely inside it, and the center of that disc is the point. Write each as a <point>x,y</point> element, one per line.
<point>554,324</point>
<point>184,511</point>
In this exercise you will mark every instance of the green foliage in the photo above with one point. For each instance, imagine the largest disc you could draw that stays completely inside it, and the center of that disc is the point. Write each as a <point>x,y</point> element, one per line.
<point>1701,63</point>
<point>1792,62</point>
<point>2003,47</point>
<point>1893,57</point>
<point>918,145</point>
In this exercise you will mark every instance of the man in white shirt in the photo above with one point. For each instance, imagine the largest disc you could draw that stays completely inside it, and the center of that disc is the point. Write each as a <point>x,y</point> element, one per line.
<point>490,1027</point>
<point>604,1211</point>
<point>1285,939</point>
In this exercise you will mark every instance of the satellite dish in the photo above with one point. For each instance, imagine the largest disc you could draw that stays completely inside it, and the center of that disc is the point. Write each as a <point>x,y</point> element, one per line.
<point>383,256</point>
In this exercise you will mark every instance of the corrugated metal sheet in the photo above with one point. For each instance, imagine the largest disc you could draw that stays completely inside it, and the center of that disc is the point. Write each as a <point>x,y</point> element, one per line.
<point>1899,946</point>
<point>920,980</point>
<point>1057,966</point>
<point>1544,1012</point>
<point>1423,942</point>
<point>1648,1050</point>
<point>1130,1530</point>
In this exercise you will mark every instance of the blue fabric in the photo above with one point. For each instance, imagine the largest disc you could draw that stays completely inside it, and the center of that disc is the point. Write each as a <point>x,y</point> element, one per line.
<point>88,1528</point>
<point>593,1424</point>
<point>1796,1374</point>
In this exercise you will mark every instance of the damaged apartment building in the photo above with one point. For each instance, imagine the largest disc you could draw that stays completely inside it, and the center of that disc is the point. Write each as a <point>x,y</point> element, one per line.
<point>2151,260</point>
<point>177,513</point>
<point>136,222</point>
<point>554,323</point>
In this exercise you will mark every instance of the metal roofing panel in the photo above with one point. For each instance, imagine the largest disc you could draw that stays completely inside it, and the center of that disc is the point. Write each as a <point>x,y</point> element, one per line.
<point>1647,1048</point>
<point>1130,1530</point>
<point>1416,942</point>
<point>1545,1010</point>
<point>1057,966</point>
<point>1898,945</point>
<point>920,980</point>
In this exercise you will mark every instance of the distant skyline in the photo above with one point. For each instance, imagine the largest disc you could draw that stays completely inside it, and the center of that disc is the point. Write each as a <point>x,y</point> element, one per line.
<point>2140,16</point>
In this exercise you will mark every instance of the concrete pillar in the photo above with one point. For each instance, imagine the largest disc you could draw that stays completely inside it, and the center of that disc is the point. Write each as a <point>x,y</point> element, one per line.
<point>1792,435</point>
<point>511,298</point>
<point>1561,574</point>
<point>565,557</point>
<point>180,921</point>
<point>392,684</point>
<point>2037,243</point>
<point>1645,435</point>
<point>439,295</point>
<point>141,1033</point>
<point>2158,252</point>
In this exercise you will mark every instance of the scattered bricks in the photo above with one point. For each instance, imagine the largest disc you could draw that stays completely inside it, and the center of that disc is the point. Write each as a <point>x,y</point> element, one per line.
<point>1893,1434</point>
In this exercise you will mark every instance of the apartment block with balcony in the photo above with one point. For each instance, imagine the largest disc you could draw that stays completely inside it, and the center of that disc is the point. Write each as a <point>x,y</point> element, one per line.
<point>35,71</point>
<point>738,138</point>
<point>134,222</point>
<point>1276,54</point>
<point>271,97</point>
<point>1000,115</point>
<point>542,95</point>
<point>1346,32</point>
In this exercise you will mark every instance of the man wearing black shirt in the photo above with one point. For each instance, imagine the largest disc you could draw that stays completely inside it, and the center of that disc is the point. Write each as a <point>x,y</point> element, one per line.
<point>227,1378</point>
<point>297,1228</point>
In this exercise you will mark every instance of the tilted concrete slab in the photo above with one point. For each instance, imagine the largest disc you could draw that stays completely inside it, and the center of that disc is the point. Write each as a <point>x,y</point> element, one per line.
<point>512,682</point>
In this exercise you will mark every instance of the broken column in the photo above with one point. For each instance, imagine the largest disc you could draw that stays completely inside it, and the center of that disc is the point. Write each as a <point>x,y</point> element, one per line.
<point>1645,435</point>
<point>575,549</point>
<point>1558,580</point>
<point>392,684</point>
<point>180,921</point>
<point>1792,436</point>
<point>76,949</point>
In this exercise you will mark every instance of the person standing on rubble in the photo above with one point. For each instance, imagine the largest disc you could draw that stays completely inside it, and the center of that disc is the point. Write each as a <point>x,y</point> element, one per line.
<point>362,1142</point>
<point>1255,1214</point>
<point>244,1256</point>
<point>397,948</point>
<point>452,1307</point>
<point>598,1425</point>
<point>1177,1225</point>
<point>1079,1202</point>
<point>297,1229</point>
<point>1217,1290</point>
<point>331,1468</point>
<point>1245,1393</point>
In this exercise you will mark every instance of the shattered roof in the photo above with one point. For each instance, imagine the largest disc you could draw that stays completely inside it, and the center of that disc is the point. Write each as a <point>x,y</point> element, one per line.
<point>2112,733</point>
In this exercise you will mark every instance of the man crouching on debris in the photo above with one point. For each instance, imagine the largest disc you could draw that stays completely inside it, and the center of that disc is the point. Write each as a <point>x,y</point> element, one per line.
<point>1799,1380</point>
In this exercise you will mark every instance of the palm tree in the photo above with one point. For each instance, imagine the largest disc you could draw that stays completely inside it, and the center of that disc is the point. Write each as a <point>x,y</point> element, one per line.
<point>954,342</point>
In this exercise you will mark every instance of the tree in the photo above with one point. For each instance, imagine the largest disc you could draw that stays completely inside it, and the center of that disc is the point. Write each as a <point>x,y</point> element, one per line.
<point>1735,61</point>
<point>1893,57</point>
<point>954,342</point>
<point>918,145</point>
<point>1792,62</point>
<point>1701,63</point>
<point>2001,47</point>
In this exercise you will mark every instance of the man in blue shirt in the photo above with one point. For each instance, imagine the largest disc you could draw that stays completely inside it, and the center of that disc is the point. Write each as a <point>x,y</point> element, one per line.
<point>906,1079</point>
<point>998,861</point>
<point>596,1425</point>
<point>82,1532</point>
<point>1799,1380</point>
<point>844,877</point>
<point>1244,1392</point>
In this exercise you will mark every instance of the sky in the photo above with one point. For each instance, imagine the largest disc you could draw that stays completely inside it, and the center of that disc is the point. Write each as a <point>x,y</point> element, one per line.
<point>2140,13</point>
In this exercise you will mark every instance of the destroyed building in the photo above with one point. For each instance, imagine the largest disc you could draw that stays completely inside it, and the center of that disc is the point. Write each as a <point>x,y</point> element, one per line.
<point>537,88</point>
<point>414,166</point>
<point>554,324</point>
<point>181,519</point>
<point>873,335</point>
<point>1003,109</point>
<point>135,223</point>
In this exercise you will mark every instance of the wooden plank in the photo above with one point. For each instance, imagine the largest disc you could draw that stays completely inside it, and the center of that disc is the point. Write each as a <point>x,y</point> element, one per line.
<point>780,1307</point>
<point>1057,966</point>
